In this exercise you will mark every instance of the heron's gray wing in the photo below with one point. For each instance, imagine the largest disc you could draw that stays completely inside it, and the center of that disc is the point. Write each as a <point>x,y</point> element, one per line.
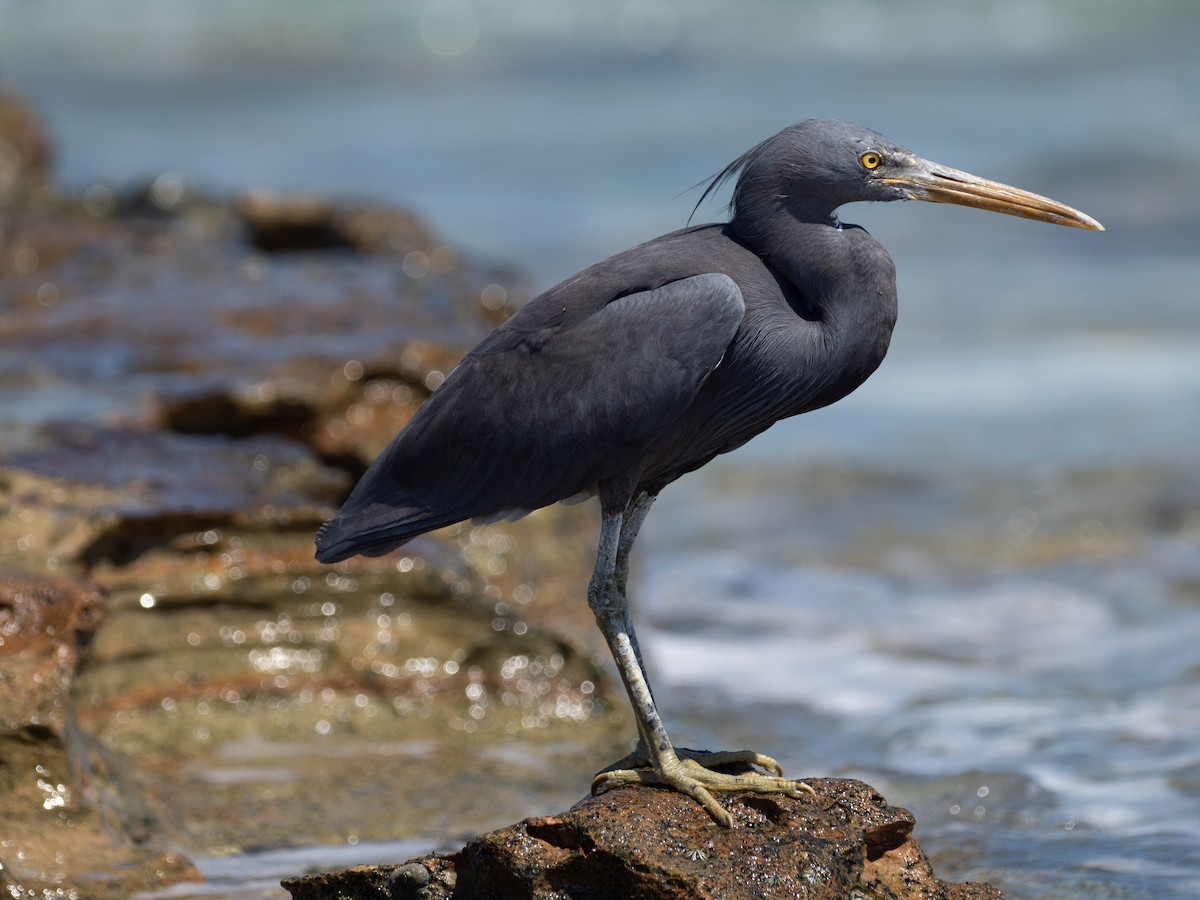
<point>566,395</point>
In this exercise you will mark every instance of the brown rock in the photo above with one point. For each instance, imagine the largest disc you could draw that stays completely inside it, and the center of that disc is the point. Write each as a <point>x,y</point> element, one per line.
<point>24,151</point>
<point>280,223</point>
<point>655,844</point>
<point>44,627</point>
<point>55,840</point>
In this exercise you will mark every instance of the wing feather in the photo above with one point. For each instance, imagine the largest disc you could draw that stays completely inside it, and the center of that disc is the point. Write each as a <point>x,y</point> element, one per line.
<point>566,395</point>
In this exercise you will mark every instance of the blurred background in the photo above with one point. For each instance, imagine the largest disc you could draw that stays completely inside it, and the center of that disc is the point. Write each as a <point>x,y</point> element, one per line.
<point>974,583</point>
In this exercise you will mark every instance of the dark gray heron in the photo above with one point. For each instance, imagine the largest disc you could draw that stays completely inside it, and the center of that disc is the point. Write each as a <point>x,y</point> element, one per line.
<point>648,365</point>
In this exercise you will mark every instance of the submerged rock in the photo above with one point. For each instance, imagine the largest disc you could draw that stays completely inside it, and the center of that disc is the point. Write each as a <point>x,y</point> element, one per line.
<point>845,841</point>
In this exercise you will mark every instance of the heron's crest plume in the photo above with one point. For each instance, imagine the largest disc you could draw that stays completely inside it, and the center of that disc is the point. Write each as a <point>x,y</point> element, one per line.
<point>735,168</point>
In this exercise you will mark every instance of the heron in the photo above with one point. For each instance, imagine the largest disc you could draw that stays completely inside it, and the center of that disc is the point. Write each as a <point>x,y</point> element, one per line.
<point>648,365</point>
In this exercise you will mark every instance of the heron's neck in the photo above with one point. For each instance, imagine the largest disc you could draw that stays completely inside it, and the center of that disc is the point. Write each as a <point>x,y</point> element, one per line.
<point>846,282</point>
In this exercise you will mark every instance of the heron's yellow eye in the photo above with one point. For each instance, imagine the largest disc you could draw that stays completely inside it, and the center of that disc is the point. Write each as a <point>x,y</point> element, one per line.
<point>871,160</point>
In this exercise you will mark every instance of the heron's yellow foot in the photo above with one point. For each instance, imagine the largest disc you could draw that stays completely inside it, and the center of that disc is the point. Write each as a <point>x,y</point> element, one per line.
<point>687,772</point>
<point>640,759</point>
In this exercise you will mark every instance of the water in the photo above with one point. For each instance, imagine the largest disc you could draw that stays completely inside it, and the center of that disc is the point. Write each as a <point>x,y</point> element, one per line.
<point>976,581</point>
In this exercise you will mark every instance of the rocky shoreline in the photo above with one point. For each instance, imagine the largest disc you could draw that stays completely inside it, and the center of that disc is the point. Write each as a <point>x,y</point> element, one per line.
<point>190,386</point>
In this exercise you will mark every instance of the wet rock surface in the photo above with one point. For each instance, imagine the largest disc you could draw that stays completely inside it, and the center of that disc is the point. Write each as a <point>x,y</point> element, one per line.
<point>45,626</point>
<point>59,831</point>
<point>845,841</point>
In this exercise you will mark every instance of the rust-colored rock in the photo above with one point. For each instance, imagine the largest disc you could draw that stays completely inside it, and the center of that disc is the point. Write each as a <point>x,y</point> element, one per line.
<point>52,830</point>
<point>844,841</point>
<point>281,223</point>
<point>44,627</point>
<point>24,151</point>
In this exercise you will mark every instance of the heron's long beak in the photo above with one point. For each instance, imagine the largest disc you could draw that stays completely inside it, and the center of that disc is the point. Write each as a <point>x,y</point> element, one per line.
<point>925,180</point>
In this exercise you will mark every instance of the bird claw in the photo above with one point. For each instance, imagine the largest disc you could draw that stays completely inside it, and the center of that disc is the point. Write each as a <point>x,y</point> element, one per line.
<point>688,773</point>
<point>640,759</point>
<point>732,757</point>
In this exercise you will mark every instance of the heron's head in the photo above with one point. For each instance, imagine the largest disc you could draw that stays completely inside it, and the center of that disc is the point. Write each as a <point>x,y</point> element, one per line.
<point>810,169</point>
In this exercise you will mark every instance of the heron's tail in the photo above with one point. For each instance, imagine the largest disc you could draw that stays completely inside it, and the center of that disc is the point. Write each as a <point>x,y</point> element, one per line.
<point>375,530</point>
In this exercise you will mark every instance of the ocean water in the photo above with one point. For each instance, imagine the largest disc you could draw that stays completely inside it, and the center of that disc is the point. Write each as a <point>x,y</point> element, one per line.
<point>975,582</point>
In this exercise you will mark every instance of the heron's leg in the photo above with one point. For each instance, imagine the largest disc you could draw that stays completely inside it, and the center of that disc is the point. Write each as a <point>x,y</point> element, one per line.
<point>631,524</point>
<point>607,600</point>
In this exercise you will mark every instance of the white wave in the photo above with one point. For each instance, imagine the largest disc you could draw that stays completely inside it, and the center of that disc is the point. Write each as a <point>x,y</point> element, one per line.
<point>1087,694</point>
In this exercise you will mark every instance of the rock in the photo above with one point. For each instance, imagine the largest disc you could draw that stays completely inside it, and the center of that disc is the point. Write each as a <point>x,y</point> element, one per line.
<point>53,830</point>
<point>132,489</point>
<point>225,640</point>
<point>845,841</point>
<point>44,627</point>
<point>281,223</point>
<point>24,151</point>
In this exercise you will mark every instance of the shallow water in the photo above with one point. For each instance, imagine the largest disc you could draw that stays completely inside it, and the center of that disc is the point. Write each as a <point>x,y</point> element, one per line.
<point>1036,689</point>
<point>975,582</point>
